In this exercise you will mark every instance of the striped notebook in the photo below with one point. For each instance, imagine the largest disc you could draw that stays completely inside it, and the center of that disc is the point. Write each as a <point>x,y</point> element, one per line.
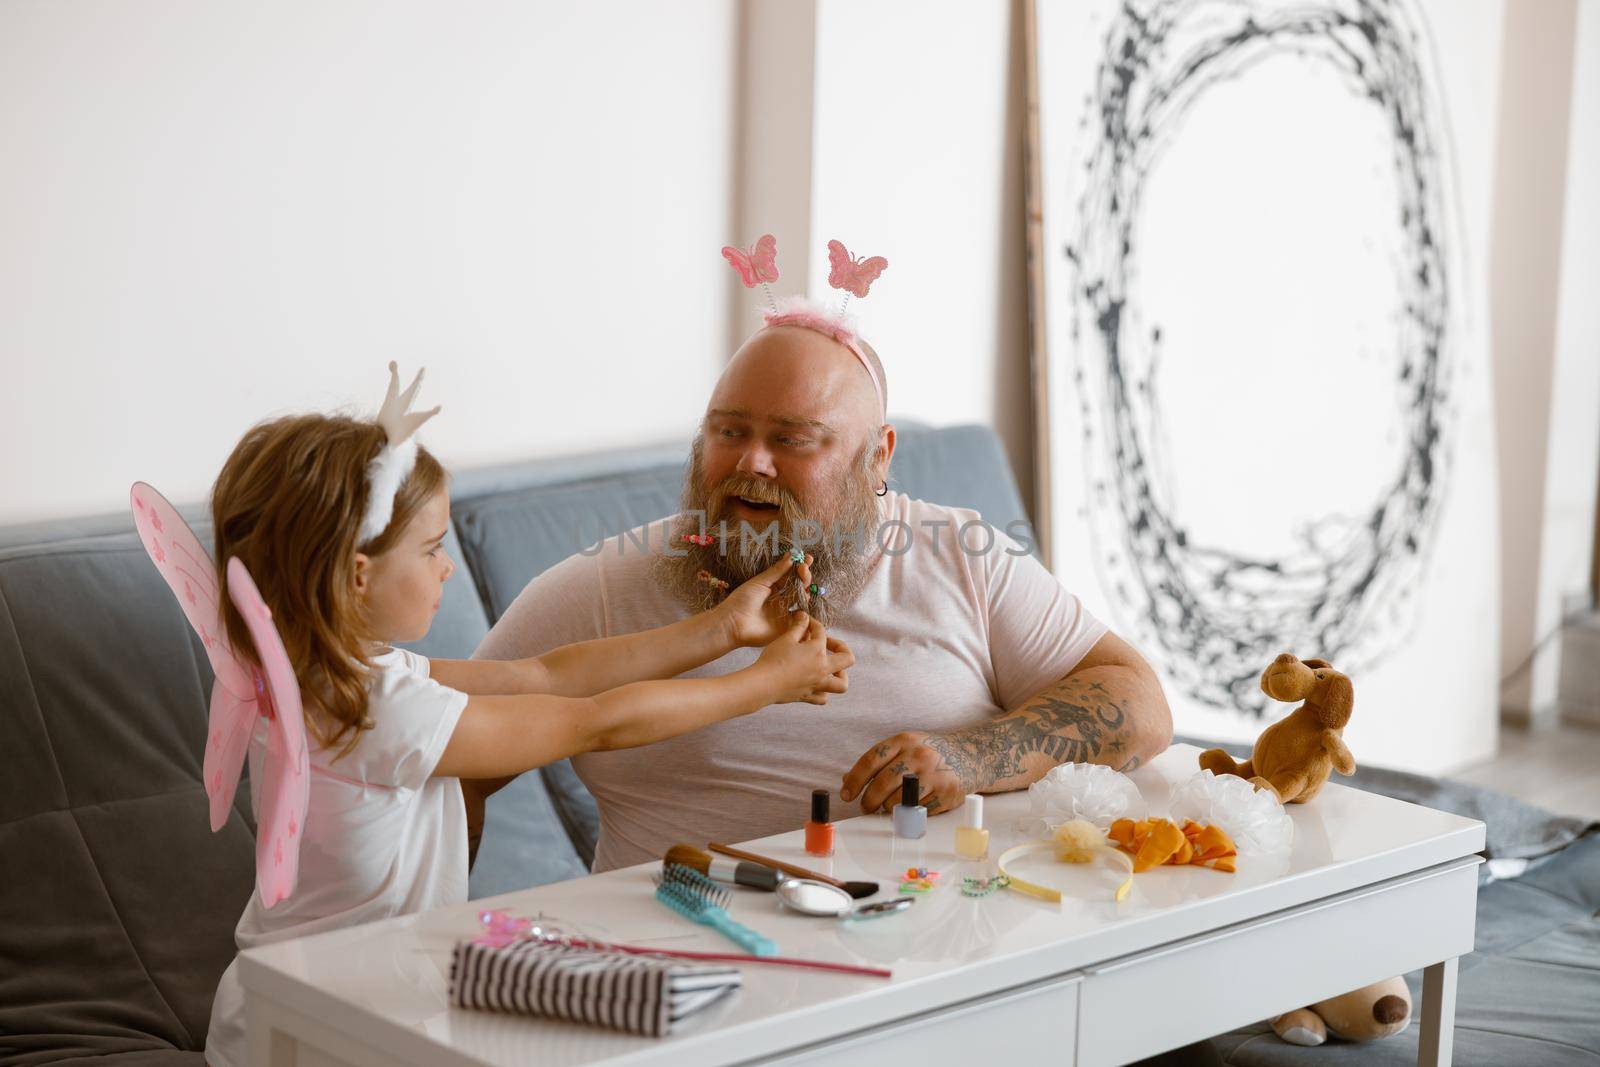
<point>636,994</point>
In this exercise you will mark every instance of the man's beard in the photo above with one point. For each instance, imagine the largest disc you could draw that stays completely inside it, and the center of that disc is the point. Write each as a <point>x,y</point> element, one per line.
<point>840,536</point>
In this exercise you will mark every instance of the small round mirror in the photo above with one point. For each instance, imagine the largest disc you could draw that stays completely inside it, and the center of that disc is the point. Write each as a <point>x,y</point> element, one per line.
<point>814,898</point>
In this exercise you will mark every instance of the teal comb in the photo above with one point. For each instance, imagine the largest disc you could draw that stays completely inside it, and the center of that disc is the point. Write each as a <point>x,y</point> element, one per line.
<point>696,897</point>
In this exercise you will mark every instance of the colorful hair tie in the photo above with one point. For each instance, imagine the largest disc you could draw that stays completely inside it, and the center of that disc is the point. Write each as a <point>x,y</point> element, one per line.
<point>701,539</point>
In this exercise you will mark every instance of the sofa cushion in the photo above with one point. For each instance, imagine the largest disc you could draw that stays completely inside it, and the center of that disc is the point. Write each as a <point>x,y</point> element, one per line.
<point>961,467</point>
<point>103,699</point>
<point>511,538</point>
<point>119,908</point>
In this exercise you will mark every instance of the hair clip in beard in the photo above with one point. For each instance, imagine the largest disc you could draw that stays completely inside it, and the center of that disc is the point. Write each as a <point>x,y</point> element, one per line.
<point>718,585</point>
<point>803,590</point>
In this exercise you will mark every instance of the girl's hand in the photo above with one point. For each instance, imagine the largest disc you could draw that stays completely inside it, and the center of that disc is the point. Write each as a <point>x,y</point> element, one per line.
<point>753,614</point>
<point>805,663</point>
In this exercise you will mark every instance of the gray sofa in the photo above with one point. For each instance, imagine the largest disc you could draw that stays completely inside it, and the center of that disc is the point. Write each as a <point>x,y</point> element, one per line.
<point>117,904</point>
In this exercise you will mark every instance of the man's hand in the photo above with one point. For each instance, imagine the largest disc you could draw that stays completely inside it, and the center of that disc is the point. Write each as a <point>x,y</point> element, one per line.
<point>876,776</point>
<point>754,614</point>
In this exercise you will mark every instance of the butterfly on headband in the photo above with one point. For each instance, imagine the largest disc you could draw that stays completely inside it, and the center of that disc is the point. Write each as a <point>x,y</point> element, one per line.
<point>759,264</point>
<point>852,275</point>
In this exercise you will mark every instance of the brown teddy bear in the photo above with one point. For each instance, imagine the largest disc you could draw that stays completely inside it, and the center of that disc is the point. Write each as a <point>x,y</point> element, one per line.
<point>1373,1011</point>
<point>1293,756</point>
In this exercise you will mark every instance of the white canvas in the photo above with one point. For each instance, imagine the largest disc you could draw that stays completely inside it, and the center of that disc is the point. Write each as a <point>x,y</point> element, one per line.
<point>1264,235</point>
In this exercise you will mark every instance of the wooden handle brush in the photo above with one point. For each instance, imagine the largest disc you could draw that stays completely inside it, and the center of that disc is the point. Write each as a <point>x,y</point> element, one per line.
<point>754,875</point>
<point>857,890</point>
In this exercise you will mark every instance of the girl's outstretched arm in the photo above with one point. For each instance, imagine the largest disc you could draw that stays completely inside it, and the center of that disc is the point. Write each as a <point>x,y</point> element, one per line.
<point>501,735</point>
<point>749,616</point>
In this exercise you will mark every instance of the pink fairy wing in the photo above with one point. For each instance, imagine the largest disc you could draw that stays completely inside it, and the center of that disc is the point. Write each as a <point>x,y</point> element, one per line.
<point>286,786</point>
<point>183,563</point>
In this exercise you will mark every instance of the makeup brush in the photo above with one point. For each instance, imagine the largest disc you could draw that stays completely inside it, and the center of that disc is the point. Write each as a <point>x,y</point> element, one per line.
<point>857,890</point>
<point>718,869</point>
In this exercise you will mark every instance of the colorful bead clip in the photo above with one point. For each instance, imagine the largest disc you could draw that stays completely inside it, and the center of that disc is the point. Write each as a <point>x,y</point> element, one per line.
<point>712,580</point>
<point>702,539</point>
<point>919,880</point>
<point>982,887</point>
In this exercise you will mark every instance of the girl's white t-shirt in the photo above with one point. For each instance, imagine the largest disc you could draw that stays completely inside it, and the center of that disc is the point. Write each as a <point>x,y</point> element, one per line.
<point>382,837</point>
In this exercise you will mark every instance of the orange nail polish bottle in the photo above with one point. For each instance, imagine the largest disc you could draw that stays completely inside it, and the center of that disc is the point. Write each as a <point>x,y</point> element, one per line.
<point>819,831</point>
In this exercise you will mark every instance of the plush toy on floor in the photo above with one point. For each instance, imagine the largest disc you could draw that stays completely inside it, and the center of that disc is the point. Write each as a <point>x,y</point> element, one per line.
<point>1293,758</point>
<point>1294,755</point>
<point>1371,1012</point>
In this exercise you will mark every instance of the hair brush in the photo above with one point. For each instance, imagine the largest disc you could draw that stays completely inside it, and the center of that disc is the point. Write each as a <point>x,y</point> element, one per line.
<point>699,899</point>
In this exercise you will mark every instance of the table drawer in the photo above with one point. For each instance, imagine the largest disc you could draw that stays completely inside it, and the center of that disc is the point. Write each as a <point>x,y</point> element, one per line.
<point>1034,1024</point>
<point>1153,1001</point>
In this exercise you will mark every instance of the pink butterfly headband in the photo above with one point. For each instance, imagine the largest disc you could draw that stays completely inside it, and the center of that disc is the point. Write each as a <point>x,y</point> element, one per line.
<point>759,265</point>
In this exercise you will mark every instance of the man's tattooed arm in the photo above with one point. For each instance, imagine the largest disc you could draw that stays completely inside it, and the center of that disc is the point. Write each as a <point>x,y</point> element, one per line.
<point>1109,709</point>
<point>1112,715</point>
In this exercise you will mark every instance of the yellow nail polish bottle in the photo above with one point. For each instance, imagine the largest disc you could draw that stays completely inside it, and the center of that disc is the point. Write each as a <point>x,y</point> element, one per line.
<point>972,840</point>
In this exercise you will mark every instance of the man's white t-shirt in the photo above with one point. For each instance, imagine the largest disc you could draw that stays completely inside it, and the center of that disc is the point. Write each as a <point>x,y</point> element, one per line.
<point>382,837</point>
<point>945,635</point>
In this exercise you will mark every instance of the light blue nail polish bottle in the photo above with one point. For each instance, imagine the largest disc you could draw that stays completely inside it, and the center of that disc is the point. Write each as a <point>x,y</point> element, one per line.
<point>910,818</point>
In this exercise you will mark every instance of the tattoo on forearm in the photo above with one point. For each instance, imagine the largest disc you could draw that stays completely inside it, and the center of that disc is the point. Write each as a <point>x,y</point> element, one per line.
<point>1075,722</point>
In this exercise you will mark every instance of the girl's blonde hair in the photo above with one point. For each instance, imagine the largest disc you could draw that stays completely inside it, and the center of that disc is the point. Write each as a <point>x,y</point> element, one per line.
<point>289,503</point>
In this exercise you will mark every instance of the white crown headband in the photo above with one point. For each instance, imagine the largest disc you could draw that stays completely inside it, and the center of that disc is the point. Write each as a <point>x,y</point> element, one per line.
<point>758,265</point>
<point>389,468</point>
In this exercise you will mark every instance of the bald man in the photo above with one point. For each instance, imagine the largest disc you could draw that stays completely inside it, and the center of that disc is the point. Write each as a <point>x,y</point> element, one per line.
<point>976,670</point>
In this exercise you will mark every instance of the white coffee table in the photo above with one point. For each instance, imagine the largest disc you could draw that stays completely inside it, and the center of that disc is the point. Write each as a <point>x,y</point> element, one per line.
<point>1374,887</point>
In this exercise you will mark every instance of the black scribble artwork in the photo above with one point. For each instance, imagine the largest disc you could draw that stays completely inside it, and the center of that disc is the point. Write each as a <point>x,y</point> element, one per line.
<point>1214,616</point>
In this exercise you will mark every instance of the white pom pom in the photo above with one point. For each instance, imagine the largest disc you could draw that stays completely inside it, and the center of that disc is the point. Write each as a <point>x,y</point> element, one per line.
<point>1253,817</point>
<point>1086,791</point>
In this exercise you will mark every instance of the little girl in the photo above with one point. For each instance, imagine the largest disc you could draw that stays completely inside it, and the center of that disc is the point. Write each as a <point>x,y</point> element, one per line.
<point>340,522</point>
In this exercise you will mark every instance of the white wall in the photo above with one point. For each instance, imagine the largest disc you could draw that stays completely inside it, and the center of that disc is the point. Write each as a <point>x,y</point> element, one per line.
<point>918,133</point>
<point>1544,273</point>
<point>213,211</point>
<point>1567,547</point>
<point>216,211</point>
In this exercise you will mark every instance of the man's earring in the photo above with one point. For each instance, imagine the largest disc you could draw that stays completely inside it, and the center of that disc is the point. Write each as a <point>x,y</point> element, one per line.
<point>882,490</point>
